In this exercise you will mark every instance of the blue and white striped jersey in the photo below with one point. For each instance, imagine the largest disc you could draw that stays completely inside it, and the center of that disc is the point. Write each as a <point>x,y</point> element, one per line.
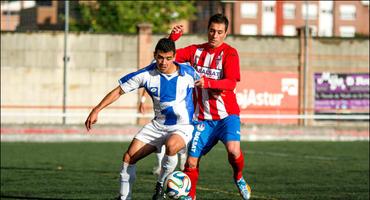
<point>172,95</point>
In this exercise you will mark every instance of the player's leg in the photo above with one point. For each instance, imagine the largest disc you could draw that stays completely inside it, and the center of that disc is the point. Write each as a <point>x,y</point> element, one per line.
<point>201,143</point>
<point>236,160</point>
<point>235,157</point>
<point>173,145</point>
<point>169,162</point>
<point>159,156</point>
<point>175,141</point>
<point>136,151</point>
<point>148,140</point>
<point>192,170</point>
<point>229,133</point>
<point>182,159</point>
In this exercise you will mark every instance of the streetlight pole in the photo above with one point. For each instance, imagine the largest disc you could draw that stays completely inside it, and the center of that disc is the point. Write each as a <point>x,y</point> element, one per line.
<point>65,58</point>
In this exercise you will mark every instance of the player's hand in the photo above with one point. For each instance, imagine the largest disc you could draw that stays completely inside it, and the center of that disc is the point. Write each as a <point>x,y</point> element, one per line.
<point>91,119</point>
<point>176,32</point>
<point>199,83</point>
<point>215,93</point>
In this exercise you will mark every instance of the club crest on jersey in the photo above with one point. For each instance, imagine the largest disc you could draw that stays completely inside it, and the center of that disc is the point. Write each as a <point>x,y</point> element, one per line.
<point>154,91</point>
<point>210,73</point>
<point>200,127</point>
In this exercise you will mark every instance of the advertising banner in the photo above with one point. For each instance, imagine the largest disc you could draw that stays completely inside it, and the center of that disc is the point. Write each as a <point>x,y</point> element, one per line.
<point>341,93</point>
<point>268,93</point>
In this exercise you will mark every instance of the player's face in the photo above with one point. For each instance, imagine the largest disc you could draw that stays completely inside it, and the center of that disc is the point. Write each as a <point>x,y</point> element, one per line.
<point>165,62</point>
<point>216,34</point>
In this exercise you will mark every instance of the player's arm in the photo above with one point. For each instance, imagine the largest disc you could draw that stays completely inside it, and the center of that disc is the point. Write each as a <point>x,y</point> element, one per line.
<point>231,74</point>
<point>186,54</point>
<point>142,101</point>
<point>107,100</point>
<point>223,84</point>
<point>176,32</point>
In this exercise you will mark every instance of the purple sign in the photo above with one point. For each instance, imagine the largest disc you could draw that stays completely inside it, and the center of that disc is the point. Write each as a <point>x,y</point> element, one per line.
<point>341,91</point>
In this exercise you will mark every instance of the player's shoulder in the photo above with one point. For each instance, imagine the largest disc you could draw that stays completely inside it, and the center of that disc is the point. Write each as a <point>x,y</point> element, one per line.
<point>229,50</point>
<point>186,68</point>
<point>196,46</point>
<point>138,74</point>
<point>148,68</point>
<point>201,46</point>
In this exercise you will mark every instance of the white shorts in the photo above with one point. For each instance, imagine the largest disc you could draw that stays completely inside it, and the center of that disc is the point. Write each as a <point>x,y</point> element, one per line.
<point>156,134</point>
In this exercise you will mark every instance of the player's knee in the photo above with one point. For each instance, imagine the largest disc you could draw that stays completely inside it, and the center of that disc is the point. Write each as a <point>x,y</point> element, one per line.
<point>127,158</point>
<point>171,149</point>
<point>174,145</point>
<point>234,152</point>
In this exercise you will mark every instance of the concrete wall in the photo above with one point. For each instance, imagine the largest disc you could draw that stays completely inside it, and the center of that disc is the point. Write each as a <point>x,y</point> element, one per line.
<point>32,74</point>
<point>32,69</point>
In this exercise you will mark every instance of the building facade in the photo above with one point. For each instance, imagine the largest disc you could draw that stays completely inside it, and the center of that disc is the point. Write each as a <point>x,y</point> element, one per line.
<point>10,13</point>
<point>282,18</point>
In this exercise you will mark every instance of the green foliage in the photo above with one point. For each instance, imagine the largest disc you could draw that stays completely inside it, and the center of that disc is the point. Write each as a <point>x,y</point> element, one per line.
<point>123,16</point>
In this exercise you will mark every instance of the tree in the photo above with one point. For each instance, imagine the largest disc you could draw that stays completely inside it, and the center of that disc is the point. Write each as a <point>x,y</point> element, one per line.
<point>123,16</point>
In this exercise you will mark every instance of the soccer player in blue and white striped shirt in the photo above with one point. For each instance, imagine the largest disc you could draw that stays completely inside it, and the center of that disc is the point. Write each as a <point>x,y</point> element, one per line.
<point>170,85</point>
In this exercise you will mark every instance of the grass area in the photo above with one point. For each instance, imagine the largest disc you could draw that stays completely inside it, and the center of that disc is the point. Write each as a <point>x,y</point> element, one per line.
<point>275,170</point>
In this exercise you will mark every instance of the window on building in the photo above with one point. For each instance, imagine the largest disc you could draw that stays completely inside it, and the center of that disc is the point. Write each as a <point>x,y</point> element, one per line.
<point>289,30</point>
<point>9,12</point>
<point>312,11</point>
<point>347,31</point>
<point>248,29</point>
<point>44,3</point>
<point>248,10</point>
<point>269,8</point>
<point>289,11</point>
<point>347,12</point>
<point>326,11</point>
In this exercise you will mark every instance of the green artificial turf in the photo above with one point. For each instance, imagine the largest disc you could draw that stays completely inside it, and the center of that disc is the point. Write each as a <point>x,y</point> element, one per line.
<point>275,170</point>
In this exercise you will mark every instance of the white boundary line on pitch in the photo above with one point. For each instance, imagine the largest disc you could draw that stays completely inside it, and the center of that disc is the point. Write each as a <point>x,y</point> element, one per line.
<point>235,194</point>
<point>310,157</point>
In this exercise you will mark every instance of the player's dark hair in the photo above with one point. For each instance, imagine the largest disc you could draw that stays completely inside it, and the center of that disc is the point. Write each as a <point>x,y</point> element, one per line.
<point>219,19</point>
<point>165,45</point>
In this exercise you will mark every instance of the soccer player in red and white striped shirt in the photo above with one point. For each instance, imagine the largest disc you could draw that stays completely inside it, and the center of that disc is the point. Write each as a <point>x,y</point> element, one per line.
<point>216,108</point>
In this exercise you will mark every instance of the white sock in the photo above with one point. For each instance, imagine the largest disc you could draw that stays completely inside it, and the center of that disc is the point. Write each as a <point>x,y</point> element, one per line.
<point>183,157</point>
<point>168,165</point>
<point>160,156</point>
<point>127,178</point>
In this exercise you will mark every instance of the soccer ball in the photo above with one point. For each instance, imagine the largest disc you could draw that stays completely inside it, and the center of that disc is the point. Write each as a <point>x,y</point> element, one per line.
<point>177,184</point>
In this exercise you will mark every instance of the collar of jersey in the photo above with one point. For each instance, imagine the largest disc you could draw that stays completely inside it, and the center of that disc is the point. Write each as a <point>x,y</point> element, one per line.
<point>180,71</point>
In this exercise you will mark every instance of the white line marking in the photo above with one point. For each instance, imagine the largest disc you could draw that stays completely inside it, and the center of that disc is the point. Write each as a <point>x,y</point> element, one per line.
<point>311,157</point>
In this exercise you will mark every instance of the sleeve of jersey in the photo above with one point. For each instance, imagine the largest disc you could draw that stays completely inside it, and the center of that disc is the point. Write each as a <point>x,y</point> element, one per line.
<point>231,73</point>
<point>184,55</point>
<point>131,81</point>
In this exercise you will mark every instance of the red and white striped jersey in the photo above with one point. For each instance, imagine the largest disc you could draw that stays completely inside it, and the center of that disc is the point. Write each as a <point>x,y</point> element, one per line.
<point>220,69</point>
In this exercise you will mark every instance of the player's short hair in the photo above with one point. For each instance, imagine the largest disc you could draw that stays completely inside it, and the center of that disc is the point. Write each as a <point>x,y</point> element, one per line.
<point>219,19</point>
<point>165,45</point>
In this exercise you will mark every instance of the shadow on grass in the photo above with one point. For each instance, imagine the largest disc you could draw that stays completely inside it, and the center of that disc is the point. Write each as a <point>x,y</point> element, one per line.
<point>148,172</point>
<point>59,168</point>
<point>27,197</point>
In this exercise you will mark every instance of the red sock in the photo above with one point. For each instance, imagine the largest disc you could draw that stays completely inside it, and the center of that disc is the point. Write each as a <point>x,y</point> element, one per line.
<point>237,164</point>
<point>193,174</point>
